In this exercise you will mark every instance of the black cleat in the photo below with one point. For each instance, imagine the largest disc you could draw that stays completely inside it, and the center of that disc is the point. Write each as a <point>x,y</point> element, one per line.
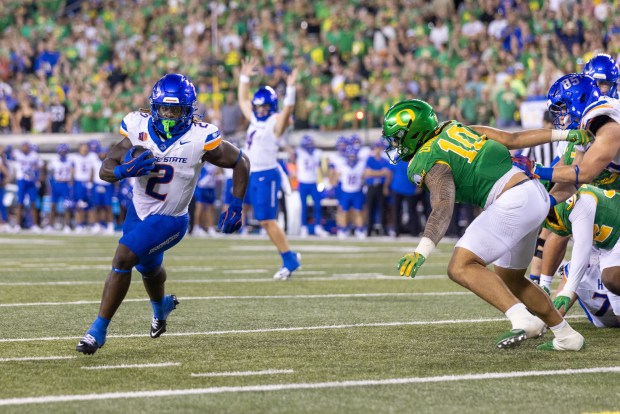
<point>158,327</point>
<point>88,345</point>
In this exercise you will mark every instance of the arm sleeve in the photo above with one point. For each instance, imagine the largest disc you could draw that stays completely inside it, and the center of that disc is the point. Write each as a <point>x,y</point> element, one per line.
<point>582,220</point>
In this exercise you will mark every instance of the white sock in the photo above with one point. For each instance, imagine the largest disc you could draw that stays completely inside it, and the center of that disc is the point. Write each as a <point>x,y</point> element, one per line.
<point>518,315</point>
<point>562,330</point>
<point>546,281</point>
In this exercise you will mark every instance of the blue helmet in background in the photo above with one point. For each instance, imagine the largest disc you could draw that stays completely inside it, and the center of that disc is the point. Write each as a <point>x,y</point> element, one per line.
<point>307,143</point>
<point>356,141</point>
<point>264,103</point>
<point>604,69</point>
<point>62,149</point>
<point>351,155</point>
<point>568,98</point>
<point>173,102</point>
<point>341,144</point>
<point>94,145</point>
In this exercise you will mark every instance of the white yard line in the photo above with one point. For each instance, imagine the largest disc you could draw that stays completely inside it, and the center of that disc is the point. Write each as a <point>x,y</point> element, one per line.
<point>304,386</point>
<point>320,296</point>
<point>124,366</point>
<point>339,277</point>
<point>243,373</point>
<point>289,329</point>
<point>50,358</point>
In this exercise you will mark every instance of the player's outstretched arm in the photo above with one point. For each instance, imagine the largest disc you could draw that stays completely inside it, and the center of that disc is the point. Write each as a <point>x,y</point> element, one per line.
<point>114,159</point>
<point>440,183</point>
<point>532,137</point>
<point>289,104</point>
<point>599,155</point>
<point>249,67</point>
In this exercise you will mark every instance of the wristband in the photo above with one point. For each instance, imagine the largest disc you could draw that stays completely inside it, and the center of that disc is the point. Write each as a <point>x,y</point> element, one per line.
<point>117,172</point>
<point>244,79</point>
<point>552,201</point>
<point>425,247</point>
<point>289,98</point>
<point>545,173</point>
<point>577,176</point>
<point>559,135</point>
<point>236,202</point>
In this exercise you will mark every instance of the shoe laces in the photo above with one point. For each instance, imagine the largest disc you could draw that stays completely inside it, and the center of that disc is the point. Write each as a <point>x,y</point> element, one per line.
<point>89,339</point>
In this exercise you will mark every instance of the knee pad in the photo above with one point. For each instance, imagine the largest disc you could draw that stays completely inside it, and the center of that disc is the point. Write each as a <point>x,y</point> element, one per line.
<point>540,246</point>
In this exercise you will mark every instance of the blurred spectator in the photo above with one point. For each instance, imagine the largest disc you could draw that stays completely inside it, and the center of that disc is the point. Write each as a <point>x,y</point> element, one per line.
<point>97,56</point>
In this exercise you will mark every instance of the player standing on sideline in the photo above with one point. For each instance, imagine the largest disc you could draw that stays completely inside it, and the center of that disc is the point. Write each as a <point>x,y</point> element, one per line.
<point>590,208</point>
<point>158,217</point>
<point>263,138</point>
<point>61,169</point>
<point>27,173</point>
<point>204,206</point>
<point>457,164</point>
<point>101,198</point>
<point>83,172</point>
<point>350,178</point>
<point>5,176</point>
<point>308,160</point>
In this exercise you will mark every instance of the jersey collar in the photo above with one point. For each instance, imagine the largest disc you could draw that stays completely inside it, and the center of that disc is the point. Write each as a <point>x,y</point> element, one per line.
<point>162,145</point>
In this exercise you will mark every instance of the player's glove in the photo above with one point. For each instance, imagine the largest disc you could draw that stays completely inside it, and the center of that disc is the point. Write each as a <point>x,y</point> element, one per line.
<point>525,164</point>
<point>230,220</point>
<point>579,136</point>
<point>562,300</point>
<point>410,263</point>
<point>135,167</point>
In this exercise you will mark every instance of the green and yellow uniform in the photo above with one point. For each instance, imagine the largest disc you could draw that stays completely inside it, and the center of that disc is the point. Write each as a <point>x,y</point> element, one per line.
<point>476,163</point>
<point>606,230</point>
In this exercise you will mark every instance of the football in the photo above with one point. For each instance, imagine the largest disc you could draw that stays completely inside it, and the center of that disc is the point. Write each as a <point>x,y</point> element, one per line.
<point>139,149</point>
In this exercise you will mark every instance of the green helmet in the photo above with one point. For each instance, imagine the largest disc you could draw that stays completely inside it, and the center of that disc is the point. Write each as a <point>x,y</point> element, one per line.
<point>406,126</point>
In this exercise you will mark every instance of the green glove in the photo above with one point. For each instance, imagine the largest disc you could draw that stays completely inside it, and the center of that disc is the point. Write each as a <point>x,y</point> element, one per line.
<point>410,263</point>
<point>560,302</point>
<point>579,136</point>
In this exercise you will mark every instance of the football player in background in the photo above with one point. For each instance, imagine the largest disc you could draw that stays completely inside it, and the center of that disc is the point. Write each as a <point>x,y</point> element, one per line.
<point>457,164</point>
<point>263,138</point>
<point>604,69</point>
<point>349,175</point>
<point>101,198</point>
<point>5,177</point>
<point>83,174</point>
<point>590,208</point>
<point>204,210</point>
<point>27,172</point>
<point>176,145</point>
<point>61,171</point>
<point>308,161</point>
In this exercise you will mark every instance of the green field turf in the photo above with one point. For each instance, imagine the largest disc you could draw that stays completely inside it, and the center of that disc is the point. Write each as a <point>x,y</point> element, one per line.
<point>345,335</point>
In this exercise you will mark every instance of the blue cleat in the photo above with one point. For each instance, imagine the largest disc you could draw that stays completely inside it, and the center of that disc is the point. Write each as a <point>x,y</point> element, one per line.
<point>158,326</point>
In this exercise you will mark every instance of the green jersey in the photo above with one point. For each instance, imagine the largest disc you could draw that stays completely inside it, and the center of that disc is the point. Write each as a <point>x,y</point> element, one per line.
<point>476,163</point>
<point>606,231</point>
<point>606,180</point>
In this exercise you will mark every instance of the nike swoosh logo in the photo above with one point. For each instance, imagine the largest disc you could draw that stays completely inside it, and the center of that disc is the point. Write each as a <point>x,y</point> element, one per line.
<point>129,169</point>
<point>183,143</point>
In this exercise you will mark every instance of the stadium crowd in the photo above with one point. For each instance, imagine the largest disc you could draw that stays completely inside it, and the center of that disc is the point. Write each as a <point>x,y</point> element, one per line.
<point>76,66</point>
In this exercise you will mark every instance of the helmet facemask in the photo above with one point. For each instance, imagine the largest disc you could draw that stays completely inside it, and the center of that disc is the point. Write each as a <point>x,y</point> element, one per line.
<point>173,118</point>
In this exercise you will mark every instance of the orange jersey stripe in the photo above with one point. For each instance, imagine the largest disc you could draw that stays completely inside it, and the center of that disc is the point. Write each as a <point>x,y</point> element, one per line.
<point>212,144</point>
